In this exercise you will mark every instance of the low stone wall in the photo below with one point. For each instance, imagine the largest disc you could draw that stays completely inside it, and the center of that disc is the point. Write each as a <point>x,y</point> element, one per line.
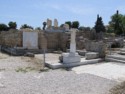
<point>96,46</point>
<point>42,41</point>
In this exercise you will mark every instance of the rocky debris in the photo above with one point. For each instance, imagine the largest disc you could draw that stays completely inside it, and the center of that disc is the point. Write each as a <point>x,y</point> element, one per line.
<point>29,54</point>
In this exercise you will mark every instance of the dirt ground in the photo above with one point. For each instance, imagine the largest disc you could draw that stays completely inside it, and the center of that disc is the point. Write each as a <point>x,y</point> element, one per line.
<point>20,63</point>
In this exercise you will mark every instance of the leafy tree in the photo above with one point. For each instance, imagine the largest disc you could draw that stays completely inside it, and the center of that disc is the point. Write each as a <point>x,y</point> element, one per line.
<point>99,27</point>
<point>123,24</point>
<point>26,26</point>
<point>84,28</point>
<point>109,29</point>
<point>61,25</point>
<point>12,25</point>
<point>3,27</point>
<point>75,24</point>
<point>69,23</point>
<point>117,23</point>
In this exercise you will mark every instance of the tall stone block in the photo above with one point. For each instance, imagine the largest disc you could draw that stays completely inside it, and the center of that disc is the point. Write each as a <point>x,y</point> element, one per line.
<point>73,41</point>
<point>30,40</point>
<point>55,23</point>
<point>49,23</point>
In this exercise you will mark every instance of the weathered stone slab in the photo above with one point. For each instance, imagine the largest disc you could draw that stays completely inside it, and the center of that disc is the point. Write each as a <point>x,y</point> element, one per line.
<point>70,58</point>
<point>91,55</point>
<point>81,52</point>
<point>30,40</point>
<point>83,61</point>
<point>116,56</point>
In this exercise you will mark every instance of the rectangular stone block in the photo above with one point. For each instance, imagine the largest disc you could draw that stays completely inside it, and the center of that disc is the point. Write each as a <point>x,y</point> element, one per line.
<point>91,55</point>
<point>30,40</point>
<point>81,52</point>
<point>71,58</point>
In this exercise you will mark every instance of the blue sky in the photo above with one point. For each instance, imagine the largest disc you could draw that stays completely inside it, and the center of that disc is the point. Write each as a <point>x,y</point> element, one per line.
<point>34,12</point>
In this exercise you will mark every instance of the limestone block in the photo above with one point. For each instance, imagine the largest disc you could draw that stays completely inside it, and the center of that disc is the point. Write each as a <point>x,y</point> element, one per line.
<point>91,55</point>
<point>30,40</point>
<point>49,23</point>
<point>71,58</point>
<point>55,23</point>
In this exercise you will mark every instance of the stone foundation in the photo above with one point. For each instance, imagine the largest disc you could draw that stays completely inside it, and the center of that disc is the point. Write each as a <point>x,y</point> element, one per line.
<point>70,58</point>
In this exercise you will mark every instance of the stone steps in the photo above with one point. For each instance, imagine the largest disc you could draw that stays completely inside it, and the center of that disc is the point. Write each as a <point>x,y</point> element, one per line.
<point>122,50</point>
<point>119,57</point>
<point>115,58</point>
<point>122,53</point>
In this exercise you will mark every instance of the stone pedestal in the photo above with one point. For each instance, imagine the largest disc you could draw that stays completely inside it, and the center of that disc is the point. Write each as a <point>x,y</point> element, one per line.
<point>72,56</point>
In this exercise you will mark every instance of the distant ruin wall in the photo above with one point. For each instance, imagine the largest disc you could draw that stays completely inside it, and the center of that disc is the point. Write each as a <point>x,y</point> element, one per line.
<point>46,40</point>
<point>11,39</point>
<point>56,40</point>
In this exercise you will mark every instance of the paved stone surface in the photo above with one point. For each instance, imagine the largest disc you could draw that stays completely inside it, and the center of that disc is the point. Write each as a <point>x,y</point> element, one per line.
<point>111,70</point>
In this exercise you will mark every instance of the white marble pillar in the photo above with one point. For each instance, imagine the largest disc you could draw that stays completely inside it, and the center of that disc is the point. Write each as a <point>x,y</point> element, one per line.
<point>73,41</point>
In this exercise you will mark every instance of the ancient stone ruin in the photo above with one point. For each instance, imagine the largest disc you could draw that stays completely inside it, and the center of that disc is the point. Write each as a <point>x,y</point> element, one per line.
<point>55,23</point>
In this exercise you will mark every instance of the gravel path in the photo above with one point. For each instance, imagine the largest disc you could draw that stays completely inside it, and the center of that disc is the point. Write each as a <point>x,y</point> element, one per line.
<point>48,82</point>
<point>53,82</point>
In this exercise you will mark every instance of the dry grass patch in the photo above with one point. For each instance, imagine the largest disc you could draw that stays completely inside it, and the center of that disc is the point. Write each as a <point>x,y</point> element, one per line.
<point>34,62</point>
